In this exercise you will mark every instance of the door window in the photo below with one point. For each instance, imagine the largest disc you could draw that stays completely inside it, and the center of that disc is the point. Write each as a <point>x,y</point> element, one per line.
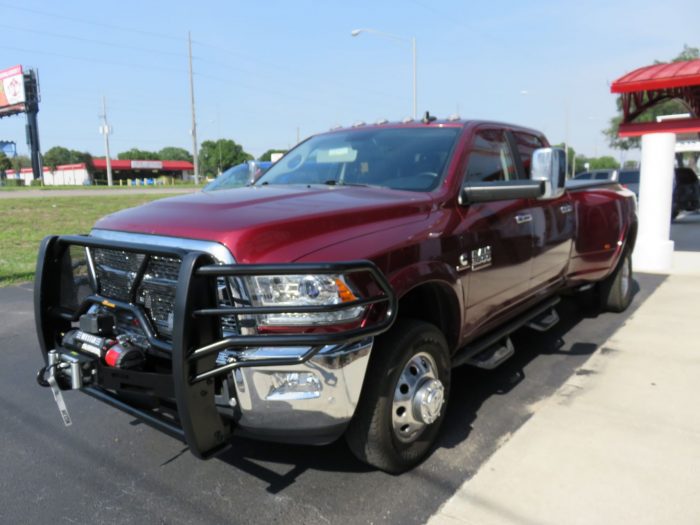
<point>490,159</point>
<point>527,143</point>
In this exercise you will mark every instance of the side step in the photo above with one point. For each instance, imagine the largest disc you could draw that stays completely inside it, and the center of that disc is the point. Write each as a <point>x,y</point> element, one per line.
<point>544,321</point>
<point>493,356</point>
<point>494,340</point>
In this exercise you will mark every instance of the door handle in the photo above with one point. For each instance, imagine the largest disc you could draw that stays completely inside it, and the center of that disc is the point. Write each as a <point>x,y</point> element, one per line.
<point>566,208</point>
<point>522,219</point>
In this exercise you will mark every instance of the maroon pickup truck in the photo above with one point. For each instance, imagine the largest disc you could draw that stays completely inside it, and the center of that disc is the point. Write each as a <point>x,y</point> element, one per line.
<point>334,296</point>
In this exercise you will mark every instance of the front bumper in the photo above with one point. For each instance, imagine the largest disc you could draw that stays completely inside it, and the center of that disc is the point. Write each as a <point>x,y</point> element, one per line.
<point>215,385</point>
<point>310,403</point>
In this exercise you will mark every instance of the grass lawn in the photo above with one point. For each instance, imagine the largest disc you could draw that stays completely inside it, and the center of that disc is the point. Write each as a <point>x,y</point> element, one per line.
<point>26,221</point>
<point>154,188</point>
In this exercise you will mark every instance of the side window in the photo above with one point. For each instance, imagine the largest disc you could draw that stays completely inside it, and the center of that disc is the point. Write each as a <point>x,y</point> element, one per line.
<point>527,143</point>
<point>490,159</point>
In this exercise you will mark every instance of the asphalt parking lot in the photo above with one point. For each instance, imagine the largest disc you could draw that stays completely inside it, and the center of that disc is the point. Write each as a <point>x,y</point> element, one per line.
<point>106,468</point>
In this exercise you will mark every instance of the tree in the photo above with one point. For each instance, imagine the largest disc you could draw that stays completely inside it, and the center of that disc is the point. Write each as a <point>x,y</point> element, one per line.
<point>173,153</point>
<point>268,154</point>
<point>669,107</point>
<point>138,154</point>
<point>5,162</point>
<point>216,156</point>
<point>596,163</point>
<point>20,162</point>
<point>59,155</point>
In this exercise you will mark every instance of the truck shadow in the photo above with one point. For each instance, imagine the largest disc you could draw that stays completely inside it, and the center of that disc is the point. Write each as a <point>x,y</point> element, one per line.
<point>556,354</point>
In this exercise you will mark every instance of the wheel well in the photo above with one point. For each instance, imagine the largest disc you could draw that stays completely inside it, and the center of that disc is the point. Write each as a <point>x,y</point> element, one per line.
<point>433,303</point>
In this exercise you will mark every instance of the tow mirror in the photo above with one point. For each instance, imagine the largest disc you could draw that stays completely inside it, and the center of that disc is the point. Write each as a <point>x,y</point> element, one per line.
<point>549,165</point>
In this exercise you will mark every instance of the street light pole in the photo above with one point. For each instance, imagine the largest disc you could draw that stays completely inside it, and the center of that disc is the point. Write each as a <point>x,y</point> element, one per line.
<point>105,130</point>
<point>415,81</point>
<point>412,41</point>
<point>194,119</point>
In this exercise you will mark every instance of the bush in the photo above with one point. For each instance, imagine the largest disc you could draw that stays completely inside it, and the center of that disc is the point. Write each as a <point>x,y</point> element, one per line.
<point>12,183</point>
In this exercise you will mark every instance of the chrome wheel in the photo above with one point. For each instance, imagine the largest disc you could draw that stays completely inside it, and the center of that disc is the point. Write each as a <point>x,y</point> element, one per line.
<point>419,396</point>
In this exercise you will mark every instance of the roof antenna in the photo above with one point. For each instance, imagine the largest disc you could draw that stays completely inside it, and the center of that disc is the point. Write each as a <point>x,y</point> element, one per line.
<point>428,118</point>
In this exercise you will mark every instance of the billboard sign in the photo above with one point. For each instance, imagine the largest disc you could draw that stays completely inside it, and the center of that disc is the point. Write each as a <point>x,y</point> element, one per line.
<point>12,95</point>
<point>9,148</point>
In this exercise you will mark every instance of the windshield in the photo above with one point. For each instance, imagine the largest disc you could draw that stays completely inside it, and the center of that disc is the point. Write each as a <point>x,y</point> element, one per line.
<point>239,175</point>
<point>399,158</point>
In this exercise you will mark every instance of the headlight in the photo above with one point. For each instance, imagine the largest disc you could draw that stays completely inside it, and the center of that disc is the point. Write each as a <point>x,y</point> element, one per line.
<point>302,290</point>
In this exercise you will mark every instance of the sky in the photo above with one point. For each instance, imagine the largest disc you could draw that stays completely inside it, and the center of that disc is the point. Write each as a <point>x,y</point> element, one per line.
<point>267,72</point>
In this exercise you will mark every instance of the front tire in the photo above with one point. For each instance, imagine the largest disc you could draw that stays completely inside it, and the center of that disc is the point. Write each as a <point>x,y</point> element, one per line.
<point>616,290</point>
<point>403,399</point>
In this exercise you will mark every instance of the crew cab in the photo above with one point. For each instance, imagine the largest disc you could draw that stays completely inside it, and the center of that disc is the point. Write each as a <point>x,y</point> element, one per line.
<point>334,296</point>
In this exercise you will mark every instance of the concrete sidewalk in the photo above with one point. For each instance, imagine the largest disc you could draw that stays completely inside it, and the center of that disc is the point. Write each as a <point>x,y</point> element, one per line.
<point>619,442</point>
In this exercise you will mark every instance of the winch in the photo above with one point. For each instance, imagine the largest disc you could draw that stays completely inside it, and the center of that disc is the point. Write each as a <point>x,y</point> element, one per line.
<point>75,364</point>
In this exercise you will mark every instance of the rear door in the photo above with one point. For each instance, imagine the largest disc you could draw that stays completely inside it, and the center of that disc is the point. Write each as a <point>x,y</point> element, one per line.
<point>554,223</point>
<point>497,237</point>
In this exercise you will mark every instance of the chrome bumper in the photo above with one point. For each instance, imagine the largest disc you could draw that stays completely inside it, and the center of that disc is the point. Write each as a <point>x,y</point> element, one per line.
<point>310,403</point>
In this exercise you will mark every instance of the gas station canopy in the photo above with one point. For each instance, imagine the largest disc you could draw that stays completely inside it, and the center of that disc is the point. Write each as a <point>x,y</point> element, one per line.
<point>647,86</point>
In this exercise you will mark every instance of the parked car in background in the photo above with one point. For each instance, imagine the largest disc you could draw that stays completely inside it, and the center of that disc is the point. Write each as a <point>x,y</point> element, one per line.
<point>630,180</point>
<point>686,192</point>
<point>606,174</point>
<point>239,175</point>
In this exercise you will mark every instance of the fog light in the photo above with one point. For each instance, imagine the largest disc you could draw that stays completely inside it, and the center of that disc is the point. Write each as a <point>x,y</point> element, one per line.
<point>288,386</point>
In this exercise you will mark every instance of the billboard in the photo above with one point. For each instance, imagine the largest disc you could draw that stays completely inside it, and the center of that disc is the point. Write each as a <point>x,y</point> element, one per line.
<point>9,148</point>
<point>12,95</point>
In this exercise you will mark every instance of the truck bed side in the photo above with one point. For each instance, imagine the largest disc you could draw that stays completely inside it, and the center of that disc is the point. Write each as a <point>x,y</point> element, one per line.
<point>605,226</point>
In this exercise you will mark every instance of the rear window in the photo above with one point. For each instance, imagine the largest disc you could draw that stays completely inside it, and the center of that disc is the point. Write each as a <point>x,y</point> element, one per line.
<point>629,177</point>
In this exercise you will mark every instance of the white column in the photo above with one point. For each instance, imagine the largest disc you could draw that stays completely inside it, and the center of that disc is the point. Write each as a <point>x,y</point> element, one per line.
<point>654,250</point>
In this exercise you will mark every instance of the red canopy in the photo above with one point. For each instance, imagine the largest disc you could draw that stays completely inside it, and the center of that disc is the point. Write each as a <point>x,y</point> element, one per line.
<point>647,86</point>
<point>659,76</point>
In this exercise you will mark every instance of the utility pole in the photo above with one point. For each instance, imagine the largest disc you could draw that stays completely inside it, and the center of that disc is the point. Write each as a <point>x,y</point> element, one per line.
<point>105,130</point>
<point>195,156</point>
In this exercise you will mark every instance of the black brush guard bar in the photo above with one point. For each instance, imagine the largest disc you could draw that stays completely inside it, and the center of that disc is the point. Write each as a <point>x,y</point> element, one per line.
<point>197,337</point>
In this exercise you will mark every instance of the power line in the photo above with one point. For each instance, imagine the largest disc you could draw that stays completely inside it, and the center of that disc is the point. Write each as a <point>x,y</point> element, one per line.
<point>90,22</point>
<point>91,40</point>
<point>95,60</point>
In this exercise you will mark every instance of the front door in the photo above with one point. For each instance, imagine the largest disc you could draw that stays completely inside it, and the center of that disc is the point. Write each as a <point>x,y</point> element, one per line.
<point>497,237</point>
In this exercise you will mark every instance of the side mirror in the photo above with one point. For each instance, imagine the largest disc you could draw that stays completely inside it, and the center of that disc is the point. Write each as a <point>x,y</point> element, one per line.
<point>549,165</point>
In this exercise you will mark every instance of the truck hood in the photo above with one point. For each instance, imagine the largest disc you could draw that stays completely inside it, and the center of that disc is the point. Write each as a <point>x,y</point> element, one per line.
<point>274,223</point>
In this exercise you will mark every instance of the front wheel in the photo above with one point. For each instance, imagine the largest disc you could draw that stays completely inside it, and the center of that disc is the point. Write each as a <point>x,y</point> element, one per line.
<point>616,290</point>
<point>403,400</point>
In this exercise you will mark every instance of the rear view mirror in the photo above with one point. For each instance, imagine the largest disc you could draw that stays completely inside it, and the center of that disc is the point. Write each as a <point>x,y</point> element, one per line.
<point>549,165</point>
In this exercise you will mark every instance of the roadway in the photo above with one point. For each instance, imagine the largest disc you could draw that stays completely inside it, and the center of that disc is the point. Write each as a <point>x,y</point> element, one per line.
<point>108,468</point>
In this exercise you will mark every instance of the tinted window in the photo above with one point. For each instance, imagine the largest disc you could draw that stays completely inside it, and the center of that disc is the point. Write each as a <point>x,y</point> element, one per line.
<point>490,159</point>
<point>584,176</point>
<point>527,143</point>
<point>400,158</point>
<point>629,177</point>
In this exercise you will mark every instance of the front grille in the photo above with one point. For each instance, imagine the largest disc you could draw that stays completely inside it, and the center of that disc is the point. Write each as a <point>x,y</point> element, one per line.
<point>116,272</point>
<point>156,293</point>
